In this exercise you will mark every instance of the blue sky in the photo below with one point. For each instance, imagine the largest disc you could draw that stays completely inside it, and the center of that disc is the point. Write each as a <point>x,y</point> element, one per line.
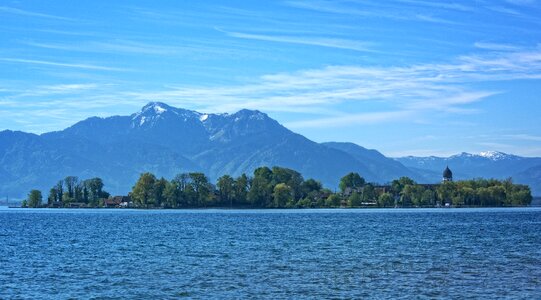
<point>406,77</point>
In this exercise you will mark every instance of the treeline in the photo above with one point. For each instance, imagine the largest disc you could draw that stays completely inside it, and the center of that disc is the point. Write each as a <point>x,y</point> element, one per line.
<point>286,188</point>
<point>70,190</point>
<point>476,192</point>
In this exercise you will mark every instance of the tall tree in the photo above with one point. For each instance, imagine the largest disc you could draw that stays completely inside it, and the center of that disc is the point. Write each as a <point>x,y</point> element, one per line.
<point>311,185</point>
<point>53,196</point>
<point>352,181</point>
<point>34,198</point>
<point>241,186</point>
<point>59,187</point>
<point>159,191</point>
<point>178,192</point>
<point>355,200</point>
<point>282,194</point>
<point>143,194</point>
<point>71,182</point>
<point>260,194</point>
<point>202,188</point>
<point>385,200</point>
<point>226,188</point>
<point>290,177</point>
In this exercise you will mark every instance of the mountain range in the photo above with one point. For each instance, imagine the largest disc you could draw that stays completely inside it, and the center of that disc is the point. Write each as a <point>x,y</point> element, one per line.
<point>166,141</point>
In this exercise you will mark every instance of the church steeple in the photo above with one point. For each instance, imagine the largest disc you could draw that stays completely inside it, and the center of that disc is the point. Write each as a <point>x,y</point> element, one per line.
<point>447,174</point>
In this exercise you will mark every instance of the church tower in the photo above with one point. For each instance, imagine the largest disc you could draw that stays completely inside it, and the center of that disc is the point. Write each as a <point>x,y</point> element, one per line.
<point>447,174</point>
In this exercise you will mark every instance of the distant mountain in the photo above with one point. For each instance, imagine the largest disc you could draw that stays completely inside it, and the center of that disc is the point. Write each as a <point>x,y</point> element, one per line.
<point>166,141</point>
<point>490,164</point>
<point>387,169</point>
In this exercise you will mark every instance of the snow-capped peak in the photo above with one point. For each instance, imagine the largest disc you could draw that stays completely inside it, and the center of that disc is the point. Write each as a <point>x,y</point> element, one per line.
<point>157,107</point>
<point>203,118</point>
<point>493,155</point>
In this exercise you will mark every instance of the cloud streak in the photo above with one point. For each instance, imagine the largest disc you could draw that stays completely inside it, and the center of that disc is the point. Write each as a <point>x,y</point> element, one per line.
<point>412,93</point>
<point>21,12</point>
<point>423,89</point>
<point>61,64</point>
<point>313,41</point>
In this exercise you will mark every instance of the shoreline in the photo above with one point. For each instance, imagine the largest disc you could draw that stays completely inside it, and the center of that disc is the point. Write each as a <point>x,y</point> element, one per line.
<point>263,208</point>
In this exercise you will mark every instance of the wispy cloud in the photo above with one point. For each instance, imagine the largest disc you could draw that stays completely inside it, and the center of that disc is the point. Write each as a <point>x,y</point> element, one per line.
<point>314,41</point>
<point>61,64</point>
<point>522,2</point>
<point>496,46</point>
<point>353,119</point>
<point>17,11</point>
<point>523,137</point>
<point>440,5</point>
<point>421,88</point>
<point>381,10</point>
<point>123,46</point>
<point>395,94</point>
<point>505,10</point>
<point>432,19</point>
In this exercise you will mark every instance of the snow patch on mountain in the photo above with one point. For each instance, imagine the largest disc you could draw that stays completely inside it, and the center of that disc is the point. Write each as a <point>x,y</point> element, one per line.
<point>159,110</point>
<point>493,155</point>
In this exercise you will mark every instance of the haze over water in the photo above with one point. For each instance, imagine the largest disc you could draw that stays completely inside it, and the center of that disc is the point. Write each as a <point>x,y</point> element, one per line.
<point>388,253</point>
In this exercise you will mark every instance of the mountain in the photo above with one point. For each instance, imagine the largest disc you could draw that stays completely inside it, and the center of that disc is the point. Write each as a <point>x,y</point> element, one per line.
<point>489,164</point>
<point>387,169</point>
<point>165,141</point>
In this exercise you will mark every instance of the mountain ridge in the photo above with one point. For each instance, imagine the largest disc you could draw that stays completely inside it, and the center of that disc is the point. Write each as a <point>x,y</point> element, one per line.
<point>166,141</point>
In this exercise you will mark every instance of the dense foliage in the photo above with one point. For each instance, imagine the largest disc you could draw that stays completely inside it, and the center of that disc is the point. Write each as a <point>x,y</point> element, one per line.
<point>286,188</point>
<point>72,191</point>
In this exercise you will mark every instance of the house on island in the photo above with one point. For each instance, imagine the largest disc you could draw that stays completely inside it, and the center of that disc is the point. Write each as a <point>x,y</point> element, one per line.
<point>117,202</point>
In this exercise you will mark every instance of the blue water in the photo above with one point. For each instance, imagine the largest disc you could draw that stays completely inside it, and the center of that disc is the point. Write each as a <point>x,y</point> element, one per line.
<point>394,253</point>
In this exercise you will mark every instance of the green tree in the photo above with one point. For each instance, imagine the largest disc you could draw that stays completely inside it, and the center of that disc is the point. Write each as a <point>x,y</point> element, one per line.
<point>398,185</point>
<point>291,178</point>
<point>385,200</point>
<point>355,200</point>
<point>94,187</point>
<point>226,190</point>
<point>520,196</point>
<point>143,194</point>
<point>352,181</point>
<point>59,190</point>
<point>368,193</point>
<point>241,187</point>
<point>181,196</point>
<point>71,183</point>
<point>34,198</point>
<point>428,198</point>
<point>446,192</point>
<point>497,195</point>
<point>333,200</point>
<point>53,196</point>
<point>78,192</point>
<point>283,194</point>
<point>159,192</point>
<point>171,194</point>
<point>202,188</point>
<point>309,186</point>
<point>260,194</point>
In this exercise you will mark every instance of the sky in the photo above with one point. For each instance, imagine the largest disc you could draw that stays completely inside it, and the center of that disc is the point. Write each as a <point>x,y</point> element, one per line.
<point>405,77</point>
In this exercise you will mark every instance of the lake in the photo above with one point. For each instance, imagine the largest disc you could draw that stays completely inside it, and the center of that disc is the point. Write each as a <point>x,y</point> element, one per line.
<point>341,253</point>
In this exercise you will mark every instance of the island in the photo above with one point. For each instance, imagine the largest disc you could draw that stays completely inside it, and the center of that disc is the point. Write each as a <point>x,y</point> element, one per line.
<point>279,187</point>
